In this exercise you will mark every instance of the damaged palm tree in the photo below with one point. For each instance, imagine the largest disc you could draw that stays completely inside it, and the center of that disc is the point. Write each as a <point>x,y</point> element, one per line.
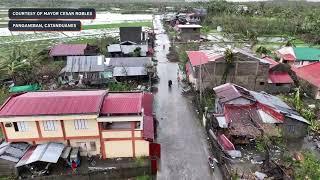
<point>229,65</point>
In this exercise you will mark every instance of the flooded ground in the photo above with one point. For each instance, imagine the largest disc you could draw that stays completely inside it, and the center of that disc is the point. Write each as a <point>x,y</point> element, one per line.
<point>8,37</point>
<point>184,147</point>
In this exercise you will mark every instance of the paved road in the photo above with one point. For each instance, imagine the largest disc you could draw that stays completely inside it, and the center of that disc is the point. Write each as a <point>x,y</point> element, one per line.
<point>183,141</point>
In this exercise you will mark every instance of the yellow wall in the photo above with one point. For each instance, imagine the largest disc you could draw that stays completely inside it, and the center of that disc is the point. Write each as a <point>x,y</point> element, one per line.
<point>73,143</point>
<point>116,134</point>
<point>71,131</point>
<point>137,133</point>
<point>120,118</point>
<point>42,118</point>
<point>31,132</point>
<point>142,148</point>
<point>57,133</point>
<point>116,149</point>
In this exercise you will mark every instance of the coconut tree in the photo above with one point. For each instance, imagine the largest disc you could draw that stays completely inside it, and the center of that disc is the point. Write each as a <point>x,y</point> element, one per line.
<point>14,64</point>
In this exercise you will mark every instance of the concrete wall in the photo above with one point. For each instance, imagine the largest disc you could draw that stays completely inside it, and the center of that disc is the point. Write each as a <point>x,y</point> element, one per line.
<point>309,88</point>
<point>117,134</point>
<point>249,74</point>
<point>92,130</point>
<point>57,133</point>
<point>130,34</point>
<point>189,34</point>
<point>142,148</point>
<point>31,131</point>
<point>87,147</point>
<point>273,88</point>
<point>116,149</point>
<point>293,129</point>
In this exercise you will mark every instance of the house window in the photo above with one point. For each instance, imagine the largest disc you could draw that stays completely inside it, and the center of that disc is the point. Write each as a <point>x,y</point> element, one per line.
<point>93,146</point>
<point>81,124</point>
<point>261,83</point>
<point>291,128</point>
<point>49,125</point>
<point>278,84</point>
<point>20,126</point>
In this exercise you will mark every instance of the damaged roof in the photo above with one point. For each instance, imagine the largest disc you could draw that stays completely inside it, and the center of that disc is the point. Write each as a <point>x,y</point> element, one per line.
<point>229,91</point>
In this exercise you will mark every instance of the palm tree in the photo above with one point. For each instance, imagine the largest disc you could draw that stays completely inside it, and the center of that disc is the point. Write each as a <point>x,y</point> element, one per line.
<point>14,64</point>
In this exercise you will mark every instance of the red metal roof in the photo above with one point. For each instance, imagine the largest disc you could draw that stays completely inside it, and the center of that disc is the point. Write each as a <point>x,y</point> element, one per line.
<point>225,143</point>
<point>148,128</point>
<point>53,103</point>
<point>271,61</point>
<point>310,73</point>
<point>202,57</point>
<point>147,104</point>
<point>197,57</point>
<point>68,50</point>
<point>288,57</point>
<point>122,103</point>
<point>280,77</point>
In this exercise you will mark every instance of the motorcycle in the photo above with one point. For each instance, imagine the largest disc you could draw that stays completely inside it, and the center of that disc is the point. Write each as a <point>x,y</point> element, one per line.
<point>212,161</point>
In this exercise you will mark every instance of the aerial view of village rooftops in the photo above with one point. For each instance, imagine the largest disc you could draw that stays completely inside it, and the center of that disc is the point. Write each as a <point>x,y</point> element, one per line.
<point>166,89</point>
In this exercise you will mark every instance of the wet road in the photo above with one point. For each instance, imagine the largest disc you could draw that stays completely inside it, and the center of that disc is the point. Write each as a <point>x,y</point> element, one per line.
<point>184,149</point>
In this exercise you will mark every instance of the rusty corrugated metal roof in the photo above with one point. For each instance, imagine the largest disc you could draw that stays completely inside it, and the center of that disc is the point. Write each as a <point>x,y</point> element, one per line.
<point>68,50</point>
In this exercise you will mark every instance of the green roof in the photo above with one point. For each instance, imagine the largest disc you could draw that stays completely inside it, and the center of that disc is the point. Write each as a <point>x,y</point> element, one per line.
<point>26,88</point>
<point>307,54</point>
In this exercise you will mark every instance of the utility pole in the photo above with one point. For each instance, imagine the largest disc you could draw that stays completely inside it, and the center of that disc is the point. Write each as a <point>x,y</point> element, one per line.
<point>200,80</point>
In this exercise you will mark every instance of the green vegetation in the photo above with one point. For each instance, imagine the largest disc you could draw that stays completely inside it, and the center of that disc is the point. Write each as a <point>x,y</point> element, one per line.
<point>307,168</point>
<point>266,18</point>
<point>119,86</point>
<point>117,25</point>
<point>144,177</point>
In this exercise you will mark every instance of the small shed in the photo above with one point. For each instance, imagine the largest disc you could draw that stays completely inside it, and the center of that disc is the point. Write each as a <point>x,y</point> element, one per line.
<point>189,32</point>
<point>91,68</point>
<point>61,51</point>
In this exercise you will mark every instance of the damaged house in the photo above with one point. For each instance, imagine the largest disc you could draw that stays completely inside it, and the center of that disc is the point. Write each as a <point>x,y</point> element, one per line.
<point>242,115</point>
<point>240,118</point>
<point>86,69</point>
<point>246,69</point>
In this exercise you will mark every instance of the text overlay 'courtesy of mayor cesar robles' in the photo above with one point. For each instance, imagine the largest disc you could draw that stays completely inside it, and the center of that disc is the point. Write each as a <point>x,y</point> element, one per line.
<point>48,19</point>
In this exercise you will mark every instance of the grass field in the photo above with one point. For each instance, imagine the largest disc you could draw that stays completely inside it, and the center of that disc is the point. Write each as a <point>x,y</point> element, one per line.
<point>117,25</point>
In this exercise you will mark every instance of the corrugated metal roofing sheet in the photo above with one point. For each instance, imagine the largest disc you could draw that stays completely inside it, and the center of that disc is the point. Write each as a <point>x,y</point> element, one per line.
<point>228,91</point>
<point>122,103</point>
<point>84,64</point>
<point>130,61</point>
<point>310,73</point>
<point>129,71</point>
<point>147,104</point>
<point>307,54</point>
<point>53,103</point>
<point>49,152</point>
<point>148,128</point>
<point>68,50</point>
<point>114,48</point>
<point>280,77</point>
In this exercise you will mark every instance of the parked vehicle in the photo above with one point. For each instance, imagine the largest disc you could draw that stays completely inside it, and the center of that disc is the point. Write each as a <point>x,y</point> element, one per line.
<point>74,157</point>
<point>212,161</point>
